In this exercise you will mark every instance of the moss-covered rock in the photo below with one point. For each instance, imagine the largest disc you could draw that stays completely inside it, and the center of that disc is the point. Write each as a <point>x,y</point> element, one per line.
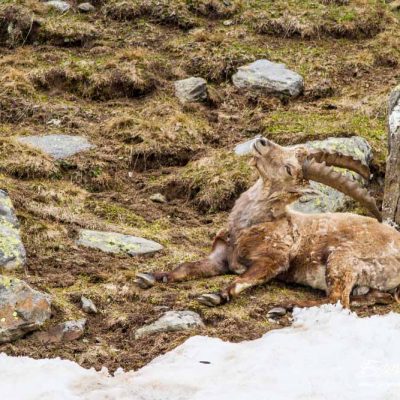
<point>22,309</point>
<point>12,251</point>
<point>111,242</point>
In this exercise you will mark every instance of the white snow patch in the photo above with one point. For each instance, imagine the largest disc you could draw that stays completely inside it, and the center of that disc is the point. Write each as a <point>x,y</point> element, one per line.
<point>328,353</point>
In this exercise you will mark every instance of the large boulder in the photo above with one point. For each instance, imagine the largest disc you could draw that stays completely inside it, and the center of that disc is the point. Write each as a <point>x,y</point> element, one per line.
<point>329,200</point>
<point>57,146</point>
<point>172,321</point>
<point>192,89</point>
<point>112,242</point>
<point>12,251</point>
<point>22,309</point>
<point>391,199</point>
<point>269,78</point>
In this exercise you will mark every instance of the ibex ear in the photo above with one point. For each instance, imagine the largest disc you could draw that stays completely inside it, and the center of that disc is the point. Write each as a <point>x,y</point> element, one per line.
<point>301,154</point>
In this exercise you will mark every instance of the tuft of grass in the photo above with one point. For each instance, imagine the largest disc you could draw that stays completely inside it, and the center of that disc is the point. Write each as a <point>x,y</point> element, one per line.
<point>18,25</point>
<point>314,19</point>
<point>164,12</point>
<point>162,134</point>
<point>97,81</point>
<point>215,8</point>
<point>66,32</point>
<point>24,162</point>
<point>212,183</point>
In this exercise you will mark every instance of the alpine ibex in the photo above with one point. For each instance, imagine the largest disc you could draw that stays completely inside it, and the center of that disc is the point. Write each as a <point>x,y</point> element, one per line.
<point>334,252</point>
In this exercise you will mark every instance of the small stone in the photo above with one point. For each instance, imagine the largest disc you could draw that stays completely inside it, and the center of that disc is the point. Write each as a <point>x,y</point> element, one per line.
<point>270,78</point>
<point>360,290</point>
<point>172,321</point>
<point>59,5</point>
<point>112,242</point>
<point>88,305</point>
<point>228,22</point>
<point>191,90</point>
<point>22,309</point>
<point>64,332</point>
<point>57,146</point>
<point>158,198</point>
<point>86,7</point>
<point>54,122</point>
<point>276,312</point>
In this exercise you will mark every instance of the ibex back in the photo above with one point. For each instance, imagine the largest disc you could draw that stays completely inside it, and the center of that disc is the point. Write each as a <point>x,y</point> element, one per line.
<point>264,239</point>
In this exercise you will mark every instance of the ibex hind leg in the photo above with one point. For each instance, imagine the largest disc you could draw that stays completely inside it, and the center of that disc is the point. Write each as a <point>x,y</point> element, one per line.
<point>215,264</point>
<point>340,279</point>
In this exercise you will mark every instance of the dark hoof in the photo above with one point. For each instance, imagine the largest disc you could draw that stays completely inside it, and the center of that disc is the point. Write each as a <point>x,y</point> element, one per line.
<point>210,299</point>
<point>145,281</point>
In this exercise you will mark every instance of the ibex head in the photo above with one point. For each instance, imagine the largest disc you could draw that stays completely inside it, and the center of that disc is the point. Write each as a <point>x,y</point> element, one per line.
<point>289,169</point>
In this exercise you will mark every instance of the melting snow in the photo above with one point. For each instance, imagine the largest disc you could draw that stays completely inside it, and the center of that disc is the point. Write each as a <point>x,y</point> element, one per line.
<point>328,353</point>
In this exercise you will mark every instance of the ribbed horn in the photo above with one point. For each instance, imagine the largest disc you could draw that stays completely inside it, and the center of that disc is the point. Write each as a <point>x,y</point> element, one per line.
<point>320,172</point>
<point>340,160</point>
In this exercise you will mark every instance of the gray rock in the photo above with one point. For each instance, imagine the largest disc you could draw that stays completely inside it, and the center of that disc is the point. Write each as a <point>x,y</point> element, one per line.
<point>158,198</point>
<point>64,332</point>
<point>360,291</point>
<point>391,198</point>
<point>269,78</point>
<point>191,90</point>
<point>57,146</point>
<point>12,250</point>
<point>88,305</point>
<point>86,7</point>
<point>111,242</point>
<point>59,5</point>
<point>22,309</point>
<point>172,321</point>
<point>329,200</point>
<point>276,312</point>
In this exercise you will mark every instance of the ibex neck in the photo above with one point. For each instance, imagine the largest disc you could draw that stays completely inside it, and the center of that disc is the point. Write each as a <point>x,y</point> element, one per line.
<point>259,204</point>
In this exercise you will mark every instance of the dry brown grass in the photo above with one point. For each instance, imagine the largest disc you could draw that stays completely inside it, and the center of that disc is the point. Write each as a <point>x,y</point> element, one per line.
<point>293,26</point>
<point>110,82</point>
<point>17,25</point>
<point>215,8</point>
<point>16,95</point>
<point>212,183</point>
<point>24,162</point>
<point>161,134</point>
<point>164,12</point>
<point>67,32</point>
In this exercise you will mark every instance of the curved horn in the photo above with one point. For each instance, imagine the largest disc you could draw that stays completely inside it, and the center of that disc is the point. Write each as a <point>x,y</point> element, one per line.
<point>319,172</point>
<point>337,159</point>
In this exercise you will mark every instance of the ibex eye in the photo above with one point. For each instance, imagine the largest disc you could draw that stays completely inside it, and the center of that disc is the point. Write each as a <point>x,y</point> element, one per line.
<point>288,170</point>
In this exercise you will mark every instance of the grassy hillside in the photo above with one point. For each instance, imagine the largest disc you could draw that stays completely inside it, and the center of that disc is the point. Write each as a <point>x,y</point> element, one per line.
<point>108,75</point>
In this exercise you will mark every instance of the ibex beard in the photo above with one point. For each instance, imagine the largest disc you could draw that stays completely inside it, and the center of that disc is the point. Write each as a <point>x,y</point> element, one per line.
<point>265,239</point>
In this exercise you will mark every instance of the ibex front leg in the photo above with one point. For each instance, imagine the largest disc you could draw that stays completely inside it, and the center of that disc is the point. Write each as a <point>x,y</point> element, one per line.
<point>215,264</point>
<point>261,271</point>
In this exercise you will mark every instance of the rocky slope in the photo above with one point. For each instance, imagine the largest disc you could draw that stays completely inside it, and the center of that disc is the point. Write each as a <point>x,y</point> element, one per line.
<point>106,74</point>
